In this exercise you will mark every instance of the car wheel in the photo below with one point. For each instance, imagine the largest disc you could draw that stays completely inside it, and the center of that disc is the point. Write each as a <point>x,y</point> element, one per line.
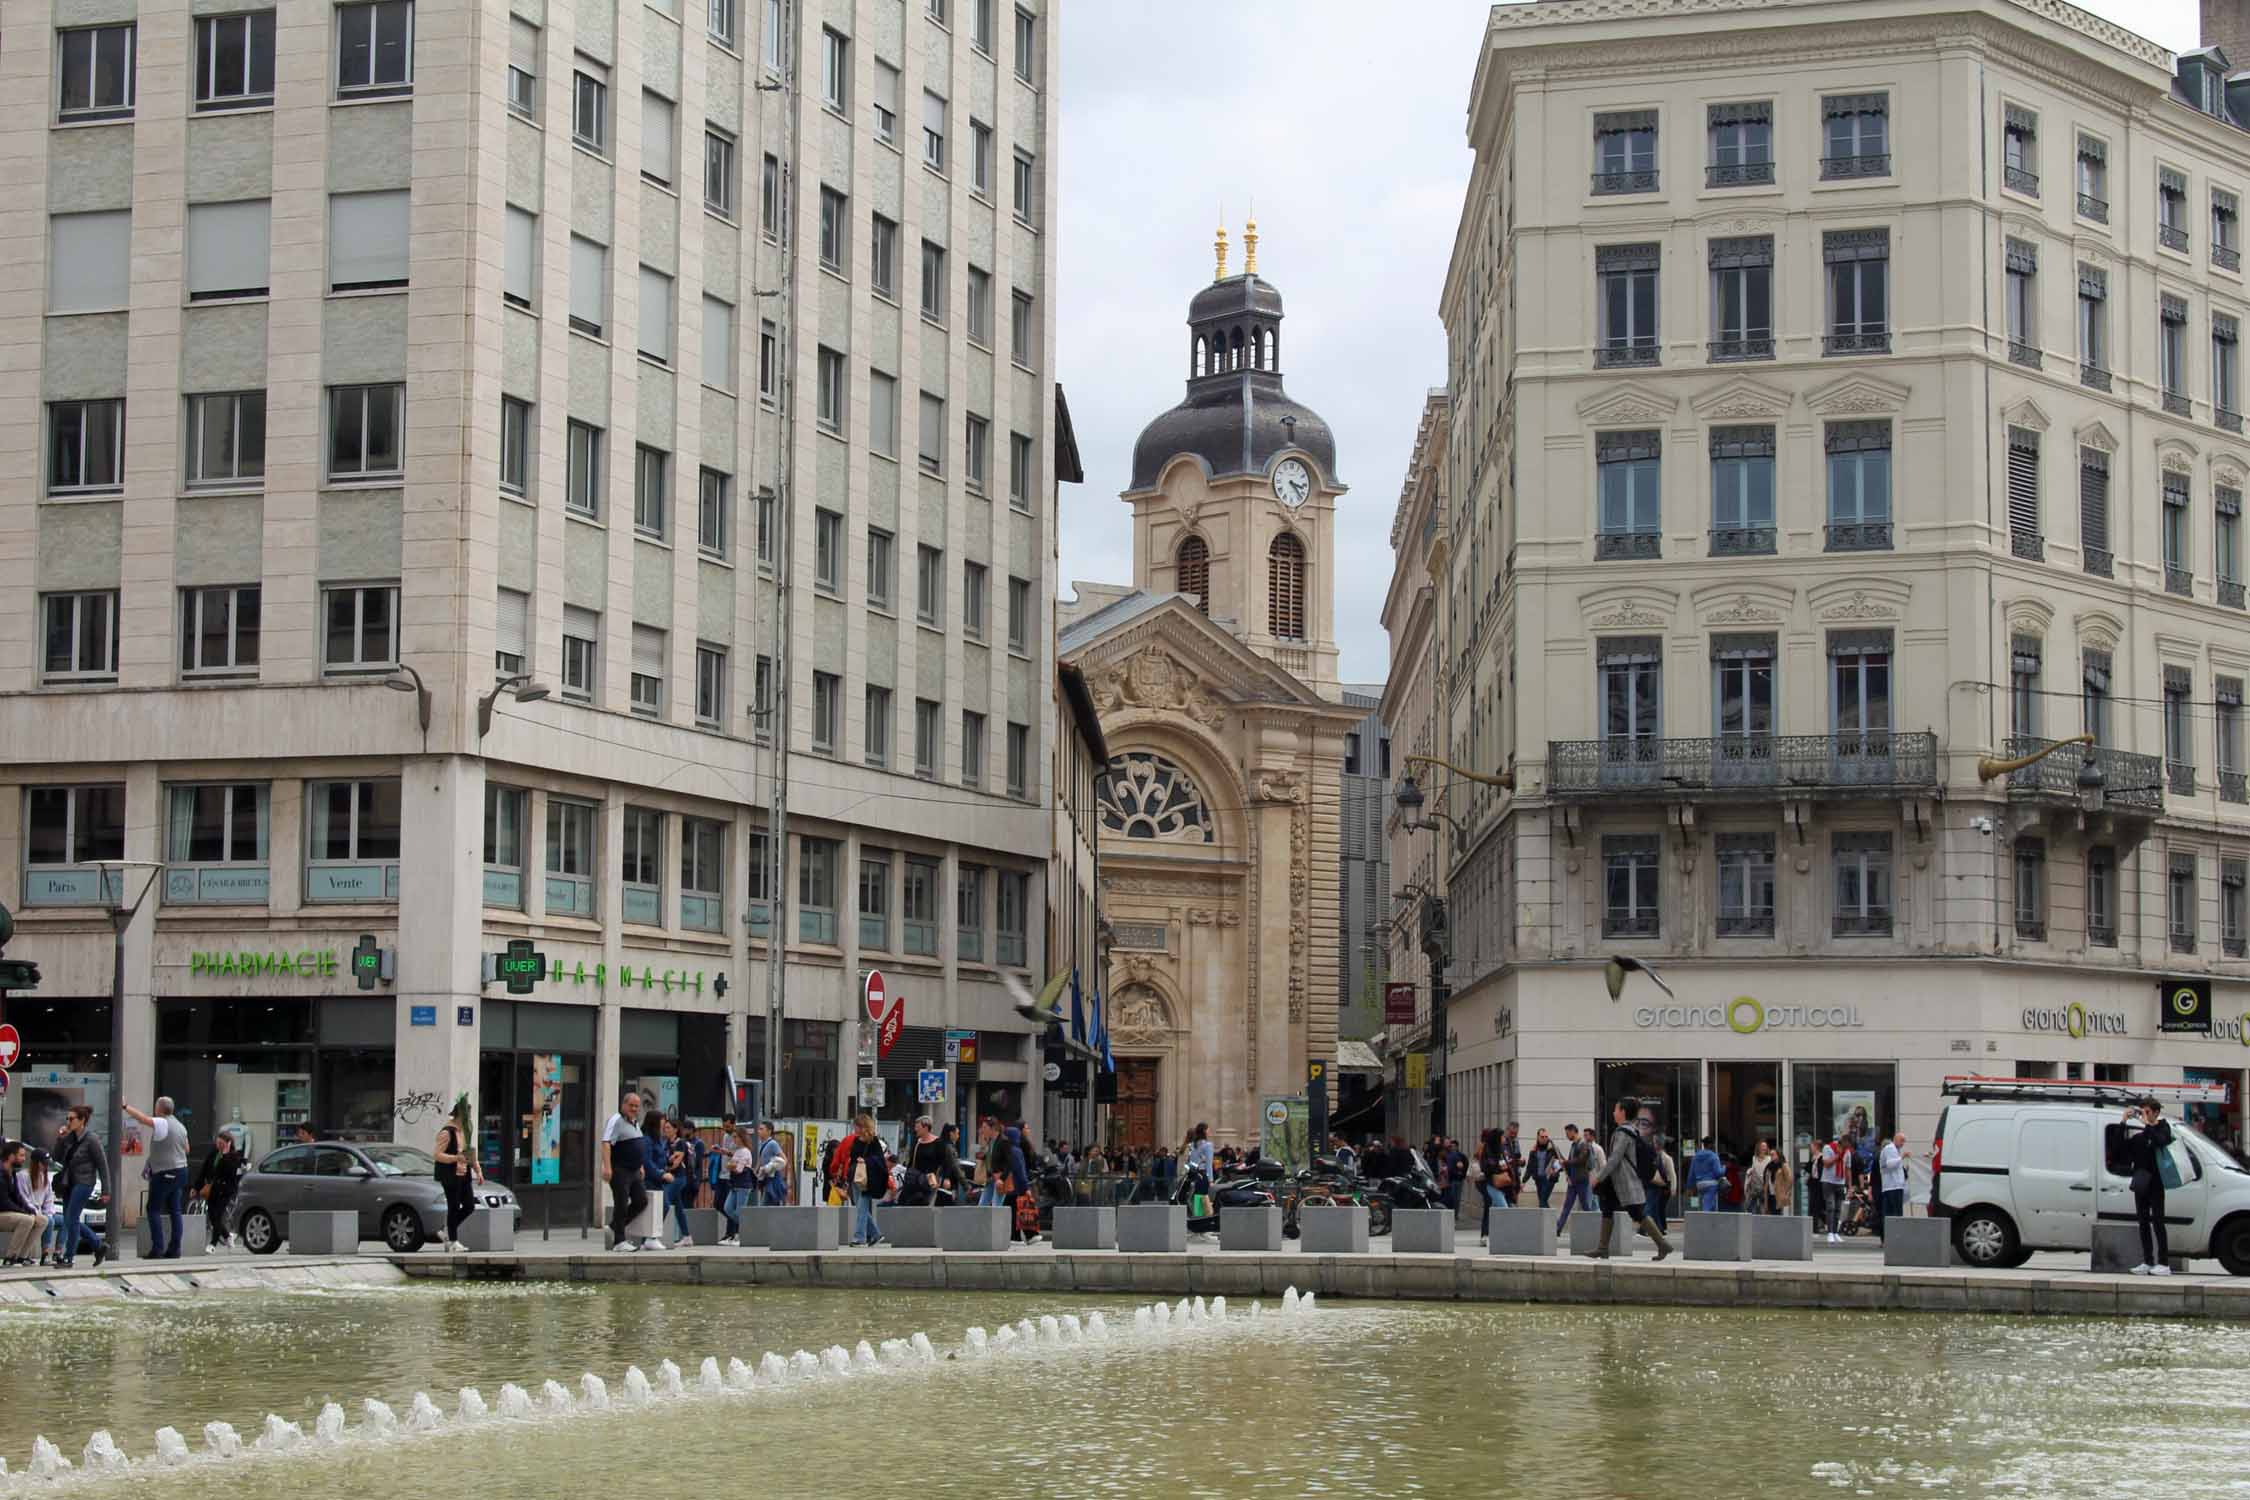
<point>260,1234</point>
<point>1985,1238</point>
<point>2231,1244</point>
<point>402,1229</point>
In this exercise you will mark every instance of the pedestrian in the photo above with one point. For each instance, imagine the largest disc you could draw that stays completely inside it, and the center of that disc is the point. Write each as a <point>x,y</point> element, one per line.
<point>1456,1172</point>
<point>680,1177</point>
<point>1706,1176</point>
<point>933,1167</point>
<point>736,1159</point>
<point>1835,1176</point>
<point>1491,1175</point>
<point>1347,1160</point>
<point>35,1179</point>
<point>1757,1178</point>
<point>167,1177</point>
<point>1617,1184</point>
<point>1545,1166</point>
<point>2148,1150</point>
<point>305,1134</point>
<point>1781,1183</point>
<point>1022,1153</point>
<point>1195,1156</point>
<point>870,1177</point>
<point>456,1171</point>
<point>622,1147</point>
<point>216,1181</point>
<point>1891,1163</point>
<point>1578,1173</point>
<point>1656,1173</point>
<point>772,1166</point>
<point>20,1225</point>
<point>85,1171</point>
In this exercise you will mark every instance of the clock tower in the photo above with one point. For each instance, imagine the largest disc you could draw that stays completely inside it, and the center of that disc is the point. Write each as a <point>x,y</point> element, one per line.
<point>1234,490</point>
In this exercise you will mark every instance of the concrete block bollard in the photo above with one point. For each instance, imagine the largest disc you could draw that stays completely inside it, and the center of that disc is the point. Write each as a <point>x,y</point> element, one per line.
<point>2117,1248</point>
<point>1250,1229</point>
<point>809,1227</point>
<point>491,1229</point>
<point>1422,1231</point>
<point>1716,1236</point>
<point>908,1226</point>
<point>195,1234</point>
<point>1152,1228</point>
<point>1334,1229</point>
<point>1917,1242</point>
<point>1780,1237</point>
<point>314,1233</point>
<point>706,1226</point>
<point>757,1224</point>
<point>1520,1231</point>
<point>1085,1228</point>
<point>965,1228</point>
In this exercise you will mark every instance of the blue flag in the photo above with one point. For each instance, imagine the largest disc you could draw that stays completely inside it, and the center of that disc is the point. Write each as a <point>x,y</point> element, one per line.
<point>1077,1010</point>
<point>1101,1033</point>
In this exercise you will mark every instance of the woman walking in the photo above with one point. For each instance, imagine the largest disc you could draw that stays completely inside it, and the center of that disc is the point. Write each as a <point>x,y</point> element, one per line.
<point>741,1181</point>
<point>456,1171</point>
<point>215,1183</point>
<point>1754,1180</point>
<point>1835,1173</point>
<point>1495,1174</point>
<point>870,1179</point>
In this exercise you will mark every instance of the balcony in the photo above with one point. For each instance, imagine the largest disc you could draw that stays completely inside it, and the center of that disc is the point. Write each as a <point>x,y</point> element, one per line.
<point>1742,541</point>
<point>2021,353</point>
<point>2230,421</point>
<point>1859,341</point>
<point>2181,775</point>
<point>1834,168</point>
<point>2234,787</point>
<point>2230,592</point>
<point>2226,257</point>
<point>2028,545</point>
<point>2093,377</point>
<point>1744,924</point>
<point>1729,351</point>
<point>1614,545</point>
<point>2179,581</point>
<point>2101,562</point>
<point>1859,536</point>
<point>2130,783</point>
<point>1738,174</point>
<point>2172,237</point>
<point>1753,767</point>
<point>1606,183</point>
<point>2178,405</point>
<point>1875,923</point>
<point>2017,180</point>
<point>1625,354</point>
<point>2091,207</point>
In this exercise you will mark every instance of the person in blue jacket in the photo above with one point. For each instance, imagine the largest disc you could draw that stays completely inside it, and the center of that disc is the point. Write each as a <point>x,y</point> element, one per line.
<point>1706,1175</point>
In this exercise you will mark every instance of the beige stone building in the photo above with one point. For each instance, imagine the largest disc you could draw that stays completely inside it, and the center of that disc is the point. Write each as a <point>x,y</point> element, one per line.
<point>1215,679</point>
<point>1842,395</point>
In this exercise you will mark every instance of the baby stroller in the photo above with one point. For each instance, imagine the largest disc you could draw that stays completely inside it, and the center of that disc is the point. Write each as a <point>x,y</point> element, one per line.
<point>1859,1213</point>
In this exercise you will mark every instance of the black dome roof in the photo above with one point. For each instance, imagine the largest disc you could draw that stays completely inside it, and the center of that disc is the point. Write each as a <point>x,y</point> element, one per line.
<point>1235,419</point>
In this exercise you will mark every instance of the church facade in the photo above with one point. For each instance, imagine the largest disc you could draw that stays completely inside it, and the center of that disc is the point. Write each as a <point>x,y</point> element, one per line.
<point>1214,676</point>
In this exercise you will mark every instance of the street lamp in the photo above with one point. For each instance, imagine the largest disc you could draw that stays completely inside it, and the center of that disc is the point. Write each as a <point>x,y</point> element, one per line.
<point>520,687</point>
<point>2089,774</point>
<point>405,679</point>
<point>120,918</point>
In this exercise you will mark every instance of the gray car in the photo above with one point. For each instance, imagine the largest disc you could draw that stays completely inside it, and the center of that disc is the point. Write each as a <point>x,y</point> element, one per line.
<point>393,1188</point>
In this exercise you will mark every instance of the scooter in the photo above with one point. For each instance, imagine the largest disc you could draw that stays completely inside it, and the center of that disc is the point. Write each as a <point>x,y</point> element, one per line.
<point>1235,1192</point>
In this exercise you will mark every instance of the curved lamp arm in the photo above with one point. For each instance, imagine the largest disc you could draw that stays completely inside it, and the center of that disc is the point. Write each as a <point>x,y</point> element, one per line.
<point>1505,779</point>
<point>1987,767</point>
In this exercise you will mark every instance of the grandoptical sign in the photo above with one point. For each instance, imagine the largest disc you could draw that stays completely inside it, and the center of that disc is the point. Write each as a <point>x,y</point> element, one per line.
<point>1746,1016</point>
<point>2184,1005</point>
<point>2075,1019</point>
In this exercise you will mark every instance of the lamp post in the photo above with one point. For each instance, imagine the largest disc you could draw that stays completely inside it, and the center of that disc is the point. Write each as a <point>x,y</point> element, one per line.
<point>405,679</point>
<point>520,687</point>
<point>120,919</point>
<point>2089,773</point>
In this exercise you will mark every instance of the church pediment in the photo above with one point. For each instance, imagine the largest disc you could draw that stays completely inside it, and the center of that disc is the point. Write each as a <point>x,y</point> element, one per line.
<point>1168,658</point>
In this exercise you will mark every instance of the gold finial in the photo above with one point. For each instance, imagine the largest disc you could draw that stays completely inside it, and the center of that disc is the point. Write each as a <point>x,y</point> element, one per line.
<point>1250,248</point>
<point>1220,247</point>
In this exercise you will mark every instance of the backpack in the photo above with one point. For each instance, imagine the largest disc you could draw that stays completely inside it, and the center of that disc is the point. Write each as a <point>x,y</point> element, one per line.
<point>1644,1161</point>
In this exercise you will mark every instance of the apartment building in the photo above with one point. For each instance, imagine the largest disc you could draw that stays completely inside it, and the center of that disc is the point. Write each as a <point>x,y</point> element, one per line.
<point>553,364</point>
<point>1846,409</point>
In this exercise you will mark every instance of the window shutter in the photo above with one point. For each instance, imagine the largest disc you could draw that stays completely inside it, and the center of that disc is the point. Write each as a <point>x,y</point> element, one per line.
<point>523,230</point>
<point>523,45</point>
<point>585,624</point>
<point>656,314</point>
<point>88,260</point>
<point>2023,481</point>
<point>2093,498</point>
<point>367,239</point>
<point>512,623</point>
<point>718,343</point>
<point>589,282</point>
<point>1192,572</point>
<point>933,112</point>
<point>227,247</point>
<point>1285,587</point>
<point>656,136</point>
<point>648,650</point>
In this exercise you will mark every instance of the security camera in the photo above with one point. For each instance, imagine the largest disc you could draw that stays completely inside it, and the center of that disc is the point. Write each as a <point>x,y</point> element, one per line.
<point>1982,825</point>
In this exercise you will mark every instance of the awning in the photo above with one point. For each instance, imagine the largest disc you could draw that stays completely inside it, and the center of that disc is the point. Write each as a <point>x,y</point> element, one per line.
<point>1357,1057</point>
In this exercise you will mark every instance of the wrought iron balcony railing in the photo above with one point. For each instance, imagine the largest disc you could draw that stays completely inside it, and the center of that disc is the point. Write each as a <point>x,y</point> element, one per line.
<point>1625,354</point>
<point>1738,174</point>
<point>1862,341</point>
<point>2094,377</point>
<point>2178,405</point>
<point>1625,182</point>
<point>1750,346</point>
<point>1834,167</point>
<point>2130,783</point>
<point>2020,181</point>
<point>2178,580</point>
<point>2182,777</point>
<point>2091,207</point>
<point>1761,765</point>
<point>1638,544</point>
<point>2172,237</point>
<point>1862,924</point>
<point>2230,592</point>
<point>2230,420</point>
<point>1742,541</point>
<point>2101,562</point>
<point>2023,354</point>
<point>2226,257</point>
<point>1859,536</point>
<point>2029,545</point>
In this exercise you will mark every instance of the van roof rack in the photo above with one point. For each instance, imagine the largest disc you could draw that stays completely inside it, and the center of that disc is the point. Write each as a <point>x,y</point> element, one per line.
<point>2078,1091</point>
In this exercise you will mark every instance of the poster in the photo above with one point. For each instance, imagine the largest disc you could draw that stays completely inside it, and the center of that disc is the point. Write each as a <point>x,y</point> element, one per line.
<point>1285,1129</point>
<point>814,1140</point>
<point>1854,1111</point>
<point>42,1096</point>
<point>546,1117</point>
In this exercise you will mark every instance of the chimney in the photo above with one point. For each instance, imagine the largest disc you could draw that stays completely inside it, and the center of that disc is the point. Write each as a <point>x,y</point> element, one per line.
<point>2226,26</point>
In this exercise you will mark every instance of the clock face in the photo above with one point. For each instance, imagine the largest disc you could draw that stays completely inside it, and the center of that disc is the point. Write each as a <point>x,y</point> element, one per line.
<point>1292,483</point>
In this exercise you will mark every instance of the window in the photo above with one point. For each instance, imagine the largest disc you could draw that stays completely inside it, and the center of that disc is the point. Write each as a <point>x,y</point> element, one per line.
<point>835,71</point>
<point>1742,515</point>
<point>366,431</point>
<point>769,196</point>
<point>2024,657</point>
<point>367,241</point>
<point>2019,150</point>
<point>572,847</point>
<point>651,478</point>
<point>655,334</point>
<point>582,488</point>
<point>772,37</point>
<point>721,22</point>
<point>828,551</point>
<point>219,631</point>
<point>2234,910</point>
<point>1742,679</point>
<point>520,259</point>
<point>2171,209</point>
<point>1625,286</point>
<point>968,913</point>
<point>1025,185</point>
<point>1019,760</point>
<point>980,25</point>
<point>933,131</point>
<point>2178,577</point>
<point>2179,736</point>
<point>1625,152</point>
<point>1863,884</point>
<point>361,633</point>
<point>769,360</point>
<point>2228,693</point>
<point>80,631</point>
<point>375,48</point>
<point>2226,372</point>
<point>933,434</point>
<point>718,172</point>
<point>2226,230</point>
<point>1285,587</point>
<point>524,49</point>
<point>227,248</point>
<point>703,874</point>
<point>581,653</point>
<point>1019,471</point>
<point>647,686</point>
<point>710,685</point>
<point>1011,917</point>
<point>767,539</point>
<point>976,453</point>
<point>2226,543</point>
<point>88,256</point>
<point>980,305</point>
<point>1857,137</point>
<point>642,861</point>
<point>2093,511</point>
<point>1191,571</point>
<point>1742,297</point>
<point>762,699</point>
<point>589,285</point>
<point>2023,303</point>
<point>918,907</point>
<point>928,752</point>
<point>933,282</point>
<point>1859,486</point>
<point>1859,704</point>
<point>980,157</point>
<point>714,511</point>
<point>2093,180</point>
<point>2101,897</point>
<point>85,446</point>
<point>1020,330</point>
<point>835,231</point>
<point>352,849</point>
<point>882,256</point>
<point>827,712</point>
<point>2031,888</point>
<point>226,440</point>
<point>2179,902</point>
<point>882,568</point>
<point>511,632</point>
<point>831,390</point>
<point>66,827</point>
<point>886,103</point>
<point>2094,695</point>
<point>658,122</point>
<point>94,72</point>
<point>1627,466</point>
<point>972,600</point>
<point>1859,265</point>
<point>874,901</point>
<point>589,105</point>
<point>2024,536</point>
<point>882,413</point>
<point>878,726</point>
<point>1019,614</point>
<point>718,344</point>
<point>1631,873</point>
<point>972,749</point>
<point>1741,144</point>
<point>2171,353</point>
<point>929,584</point>
<point>1027,34</point>
<point>2093,328</point>
<point>1746,885</point>
<point>506,808</point>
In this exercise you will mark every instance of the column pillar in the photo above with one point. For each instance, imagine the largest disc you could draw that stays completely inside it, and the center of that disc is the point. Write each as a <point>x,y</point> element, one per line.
<point>440,934</point>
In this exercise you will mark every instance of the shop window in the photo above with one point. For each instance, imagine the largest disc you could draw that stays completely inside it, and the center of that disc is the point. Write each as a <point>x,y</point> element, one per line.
<point>505,808</point>
<point>215,845</point>
<point>572,839</point>
<point>353,839</point>
<point>68,829</point>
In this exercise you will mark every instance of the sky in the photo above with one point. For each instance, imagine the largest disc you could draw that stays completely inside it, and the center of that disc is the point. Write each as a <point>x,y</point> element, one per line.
<point>1349,142</point>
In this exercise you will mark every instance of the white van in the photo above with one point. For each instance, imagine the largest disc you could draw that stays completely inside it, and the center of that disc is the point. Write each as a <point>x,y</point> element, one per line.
<point>2033,1164</point>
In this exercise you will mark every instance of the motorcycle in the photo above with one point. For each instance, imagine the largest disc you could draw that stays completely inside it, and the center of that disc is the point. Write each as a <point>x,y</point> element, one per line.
<point>1252,1191</point>
<point>1415,1187</point>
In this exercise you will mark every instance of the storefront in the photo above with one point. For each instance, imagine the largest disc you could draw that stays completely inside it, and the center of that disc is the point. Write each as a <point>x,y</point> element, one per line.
<point>677,1059</point>
<point>267,1064</point>
<point>535,1088</point>
<point>65,1062</point>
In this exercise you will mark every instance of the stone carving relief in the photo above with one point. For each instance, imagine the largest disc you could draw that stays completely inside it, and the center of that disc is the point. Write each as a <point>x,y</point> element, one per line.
<point>1141,1020</point>
<point>1146,796</point>
<point>1278,786</point>
<point>1743,610</point>
<point>1153,679</point>
<point>1627,615</point>
<point>1857,606</point>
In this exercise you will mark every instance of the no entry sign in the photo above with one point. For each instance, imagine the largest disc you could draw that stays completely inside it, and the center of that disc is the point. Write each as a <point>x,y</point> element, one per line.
<point>872,991</point>
<point>11,1046</point>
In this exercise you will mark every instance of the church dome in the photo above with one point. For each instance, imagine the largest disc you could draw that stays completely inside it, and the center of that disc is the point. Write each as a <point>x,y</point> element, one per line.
<point>1235,416</point>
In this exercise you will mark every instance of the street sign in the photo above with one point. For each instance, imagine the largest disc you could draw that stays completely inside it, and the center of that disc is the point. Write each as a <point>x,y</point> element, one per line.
<point>464,1015</point>
<point>421,1015</point>
<point>968,1055</point>
<point>1398,1005</point>
<point>522,966</point>
<point>872,992</point>
<point>952,1048</point>
<point>11,1046</point>
<point>871,1093</point>
<point>893,1024</point>
<point>929,1086</point>
<point>867,1046</point>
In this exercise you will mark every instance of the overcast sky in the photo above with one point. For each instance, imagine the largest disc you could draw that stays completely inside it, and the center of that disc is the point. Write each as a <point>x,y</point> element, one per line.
<point>1351,140</point>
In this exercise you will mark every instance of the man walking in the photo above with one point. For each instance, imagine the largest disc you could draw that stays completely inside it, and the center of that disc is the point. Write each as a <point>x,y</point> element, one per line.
<point>1892,1166</point>
<point>621,1168</point>
<point>85,1167</point>
<point>1705,1176</point>
<point>167,1177</point>
<point>1617,1185</point>
<point>1578,1171</point>
<point>2145,1149</point>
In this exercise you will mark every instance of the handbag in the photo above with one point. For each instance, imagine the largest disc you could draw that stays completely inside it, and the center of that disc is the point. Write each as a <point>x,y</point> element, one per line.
<point>859,1174</point>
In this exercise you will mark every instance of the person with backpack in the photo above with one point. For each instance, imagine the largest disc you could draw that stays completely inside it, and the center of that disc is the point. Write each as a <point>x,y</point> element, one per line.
<point>1617,1183</point>
<point>2147,1150</point>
